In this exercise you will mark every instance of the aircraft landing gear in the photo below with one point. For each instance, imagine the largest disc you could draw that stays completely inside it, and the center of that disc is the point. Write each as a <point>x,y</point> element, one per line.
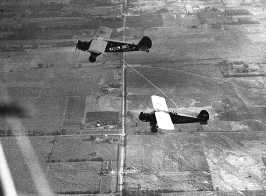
<point>154,127</point>
<point>92,58</point>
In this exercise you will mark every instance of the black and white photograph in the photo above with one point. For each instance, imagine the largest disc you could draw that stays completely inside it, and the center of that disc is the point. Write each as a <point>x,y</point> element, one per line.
<point>133,97</point>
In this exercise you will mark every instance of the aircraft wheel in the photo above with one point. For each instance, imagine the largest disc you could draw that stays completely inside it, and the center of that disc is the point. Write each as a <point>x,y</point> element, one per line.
<point>154,128</point>
<point>92,59</point>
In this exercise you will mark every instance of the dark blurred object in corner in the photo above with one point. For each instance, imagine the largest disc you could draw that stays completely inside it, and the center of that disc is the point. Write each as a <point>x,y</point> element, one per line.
<point>12,109</point>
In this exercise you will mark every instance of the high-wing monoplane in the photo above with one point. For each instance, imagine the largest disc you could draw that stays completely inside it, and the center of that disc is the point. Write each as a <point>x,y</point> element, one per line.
<point>162,118</point>
<point>102,43</point>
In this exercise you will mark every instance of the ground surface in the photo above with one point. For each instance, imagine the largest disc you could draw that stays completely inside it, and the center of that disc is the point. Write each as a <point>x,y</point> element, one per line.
<point>205,55</point>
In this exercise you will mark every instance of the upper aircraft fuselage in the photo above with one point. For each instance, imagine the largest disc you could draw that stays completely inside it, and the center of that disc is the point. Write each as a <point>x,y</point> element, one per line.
<point>100,45</point>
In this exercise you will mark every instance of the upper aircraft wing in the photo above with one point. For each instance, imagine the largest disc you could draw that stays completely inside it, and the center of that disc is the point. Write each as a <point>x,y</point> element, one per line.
<point>161,113</point>
<point>99,42</point>
<point>103,32</point>
<point>98,46</point>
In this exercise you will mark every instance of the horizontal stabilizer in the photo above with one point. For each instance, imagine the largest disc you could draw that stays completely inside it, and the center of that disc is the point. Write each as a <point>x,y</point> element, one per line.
<point>164,121</point>
<point>159,103</point>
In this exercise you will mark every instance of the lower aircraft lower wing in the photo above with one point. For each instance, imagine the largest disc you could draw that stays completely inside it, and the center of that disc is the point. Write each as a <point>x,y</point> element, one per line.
<point>164,121</point>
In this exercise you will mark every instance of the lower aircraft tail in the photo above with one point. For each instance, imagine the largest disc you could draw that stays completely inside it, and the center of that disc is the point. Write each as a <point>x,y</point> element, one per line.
<point>144,44</point>
<point>203,117</point>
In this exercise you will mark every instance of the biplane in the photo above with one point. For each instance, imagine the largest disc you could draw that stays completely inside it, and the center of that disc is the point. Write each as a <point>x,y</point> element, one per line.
<point>162,118</point>
<point>102,43</point>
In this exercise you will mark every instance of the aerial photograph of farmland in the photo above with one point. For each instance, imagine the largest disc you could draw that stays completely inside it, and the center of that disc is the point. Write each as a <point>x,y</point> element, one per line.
<point>133,97</point>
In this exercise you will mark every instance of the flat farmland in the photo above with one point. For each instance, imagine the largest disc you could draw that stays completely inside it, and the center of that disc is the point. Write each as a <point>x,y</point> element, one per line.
<point>183,66</point>
<point>71,164</point>
<point>41,69</point>
<point>174,162</point>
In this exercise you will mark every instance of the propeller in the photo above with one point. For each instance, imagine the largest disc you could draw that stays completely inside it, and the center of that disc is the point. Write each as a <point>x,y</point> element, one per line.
<point>75,50</point>
<point>75,53</point>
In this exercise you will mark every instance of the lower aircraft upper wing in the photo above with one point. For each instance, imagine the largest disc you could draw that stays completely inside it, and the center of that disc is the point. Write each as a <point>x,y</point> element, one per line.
<point>161,113</point>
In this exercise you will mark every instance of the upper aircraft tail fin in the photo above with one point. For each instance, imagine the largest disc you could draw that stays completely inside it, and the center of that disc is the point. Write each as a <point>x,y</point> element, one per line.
<point>203,117</point>
<point>144,44</point>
